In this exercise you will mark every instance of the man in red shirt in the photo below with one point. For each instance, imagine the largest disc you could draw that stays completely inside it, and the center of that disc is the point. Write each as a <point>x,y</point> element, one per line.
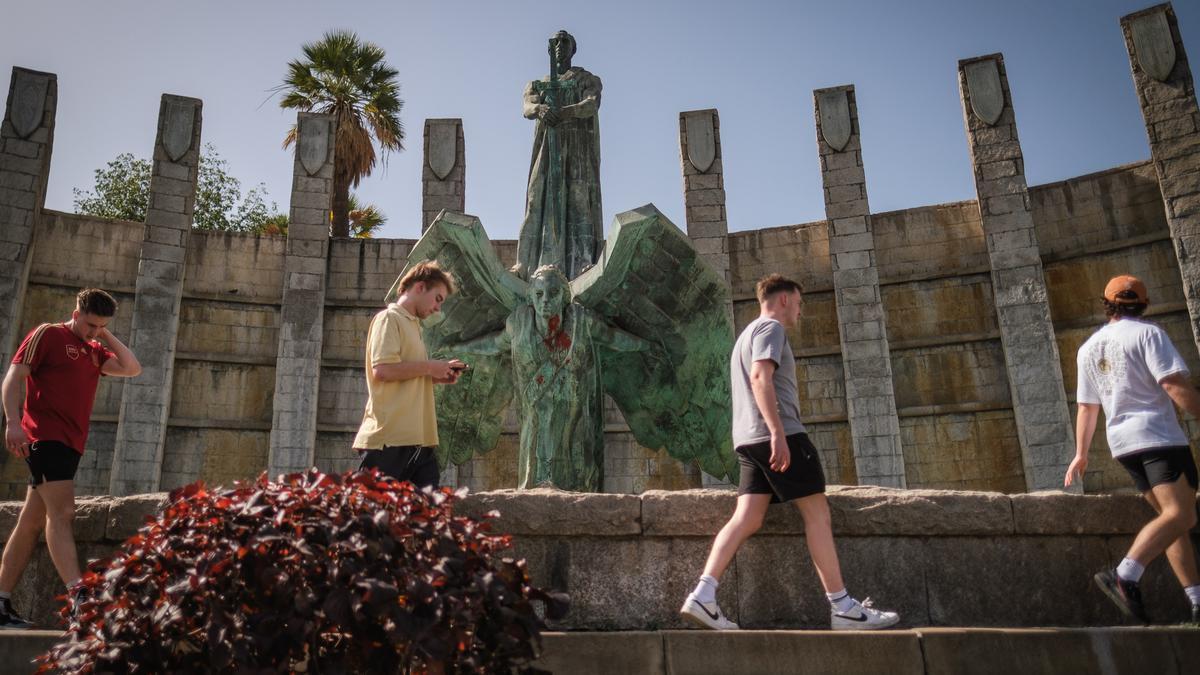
<point>59,366</point>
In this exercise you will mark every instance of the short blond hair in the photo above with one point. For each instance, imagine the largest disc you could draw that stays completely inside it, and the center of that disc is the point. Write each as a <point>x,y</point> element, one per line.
<point>428,272</point>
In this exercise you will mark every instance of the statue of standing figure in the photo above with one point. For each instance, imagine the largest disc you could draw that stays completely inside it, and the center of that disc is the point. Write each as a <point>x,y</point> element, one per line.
<point>563,217</point>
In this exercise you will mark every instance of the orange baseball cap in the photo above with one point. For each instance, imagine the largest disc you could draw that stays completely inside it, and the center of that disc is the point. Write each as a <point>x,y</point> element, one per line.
<point>1126,290</point>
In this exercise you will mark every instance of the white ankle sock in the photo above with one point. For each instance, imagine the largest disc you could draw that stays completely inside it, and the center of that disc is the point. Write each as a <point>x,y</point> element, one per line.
<point>706,590</point>
<point>5,596</point>
<point>841,600</point>
<point>1130,570</point>
<point>1193,593</point>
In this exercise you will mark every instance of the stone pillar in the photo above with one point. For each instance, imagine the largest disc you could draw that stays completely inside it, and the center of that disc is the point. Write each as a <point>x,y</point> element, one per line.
<point>1167,95</point>
<point>1018,284</point>
<point>146,399</point>
<point>704,187</point>
<point>26,142</point>
<point>704,200</point>
<point>444,173</point>
<point>298,363</point>
<point>866,357</point>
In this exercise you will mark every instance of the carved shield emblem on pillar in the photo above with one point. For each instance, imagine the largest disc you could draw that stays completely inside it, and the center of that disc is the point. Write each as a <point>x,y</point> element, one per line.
<point>834,108</point>
<point>177,128</point>
<point>443,147</point>
<point>29,102</point>
<point>701,139</point>
<point>313,146</point>
<point>987,97</point>
<point>1153,44</point>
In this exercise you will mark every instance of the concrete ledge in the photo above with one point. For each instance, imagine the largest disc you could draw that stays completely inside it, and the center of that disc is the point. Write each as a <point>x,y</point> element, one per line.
<point>549,511</point>
<point>1166,651</point>
<point>18,648</point>
<point>628,561</point>
<point>931,651</point>
<point>792,652</point>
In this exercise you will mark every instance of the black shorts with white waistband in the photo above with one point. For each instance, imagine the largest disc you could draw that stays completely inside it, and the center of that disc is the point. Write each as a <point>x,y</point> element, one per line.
<point>414,463</point>
<point>803,477</point>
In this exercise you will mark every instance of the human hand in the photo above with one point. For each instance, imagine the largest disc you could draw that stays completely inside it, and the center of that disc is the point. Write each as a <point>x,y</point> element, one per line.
<point>16,440</point>
<point>781,454</point>
<point>1075,470</point>
<point>457,368</point>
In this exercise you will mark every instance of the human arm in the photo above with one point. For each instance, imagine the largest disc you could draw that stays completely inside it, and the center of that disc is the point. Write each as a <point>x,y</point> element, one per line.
<point>1085,428</point>
<point>123,363</point>
<point>1182,393</point>
<point>441,371</point>
<point>13,393</point>
<point>762,383</point>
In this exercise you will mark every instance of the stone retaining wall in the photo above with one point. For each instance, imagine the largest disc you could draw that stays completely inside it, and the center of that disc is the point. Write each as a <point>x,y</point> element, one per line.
<point>940,558</point>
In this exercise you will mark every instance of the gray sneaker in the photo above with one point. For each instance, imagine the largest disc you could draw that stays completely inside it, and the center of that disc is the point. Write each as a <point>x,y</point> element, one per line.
<point>705,614</point>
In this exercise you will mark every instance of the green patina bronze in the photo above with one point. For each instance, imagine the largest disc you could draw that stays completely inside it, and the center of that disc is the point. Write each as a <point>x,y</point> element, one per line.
<point>647,324</point>
<point>563,217</point>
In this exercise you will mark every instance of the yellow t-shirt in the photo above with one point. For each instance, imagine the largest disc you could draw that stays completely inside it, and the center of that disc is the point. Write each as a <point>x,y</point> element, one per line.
<point>398,413</point>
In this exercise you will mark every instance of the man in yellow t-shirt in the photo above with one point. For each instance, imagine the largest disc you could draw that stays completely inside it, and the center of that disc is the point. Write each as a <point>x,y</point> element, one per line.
<point>399,428</point>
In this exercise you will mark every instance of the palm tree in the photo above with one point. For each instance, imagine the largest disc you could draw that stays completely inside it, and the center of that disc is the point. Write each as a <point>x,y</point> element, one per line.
<point>364,218</point>
<point>348,78</point>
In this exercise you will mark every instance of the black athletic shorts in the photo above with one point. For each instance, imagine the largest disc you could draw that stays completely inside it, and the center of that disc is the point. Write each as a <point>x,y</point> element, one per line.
<point>404,462</point>
<point>1160,465</point>
<point>51,461</point>
<point>802,478</point>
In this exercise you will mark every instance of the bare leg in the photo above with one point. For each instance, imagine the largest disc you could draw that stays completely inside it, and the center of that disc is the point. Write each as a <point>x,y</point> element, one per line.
<point>746,520</point>
<point>1176,504</point>
<point>818,532</point>
<point>1181,554</point>
<point>59,497</point>
<point>22,540</point>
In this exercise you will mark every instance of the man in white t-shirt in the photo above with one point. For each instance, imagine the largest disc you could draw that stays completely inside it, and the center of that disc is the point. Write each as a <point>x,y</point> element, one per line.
<point>1130,368</point>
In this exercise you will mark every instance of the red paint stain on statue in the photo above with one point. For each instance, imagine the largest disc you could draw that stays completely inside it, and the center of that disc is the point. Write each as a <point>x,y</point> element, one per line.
<point>556,337</point>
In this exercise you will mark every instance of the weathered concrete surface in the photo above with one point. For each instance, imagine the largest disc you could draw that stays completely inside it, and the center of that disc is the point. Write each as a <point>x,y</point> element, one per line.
<point>938,651</point>
<point>558,512</point>
<point>1104,650</point>
<point>940,558</point>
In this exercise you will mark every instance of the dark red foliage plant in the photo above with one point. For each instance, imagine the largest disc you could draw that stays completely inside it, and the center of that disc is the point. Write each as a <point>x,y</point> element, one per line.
<point>314,573</point>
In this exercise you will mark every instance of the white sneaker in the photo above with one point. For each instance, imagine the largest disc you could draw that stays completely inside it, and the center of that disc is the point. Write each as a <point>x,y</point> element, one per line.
<point>862,616</point>
<point>705,614</point>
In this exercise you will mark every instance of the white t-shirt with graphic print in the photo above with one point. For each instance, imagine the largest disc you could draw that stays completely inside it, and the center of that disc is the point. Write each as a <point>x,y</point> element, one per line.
<point>1120,367</point>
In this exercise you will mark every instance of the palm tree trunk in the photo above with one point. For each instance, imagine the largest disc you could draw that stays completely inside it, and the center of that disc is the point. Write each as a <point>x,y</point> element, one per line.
<point>341,205</point>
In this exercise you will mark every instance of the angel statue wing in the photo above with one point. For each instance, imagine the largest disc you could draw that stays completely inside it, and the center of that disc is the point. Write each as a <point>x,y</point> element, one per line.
<point>469,414</point>
<point>650,282</point>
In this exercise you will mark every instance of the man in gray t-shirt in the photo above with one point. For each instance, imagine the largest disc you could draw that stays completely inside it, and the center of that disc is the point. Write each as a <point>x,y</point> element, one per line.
<point>778,463</point>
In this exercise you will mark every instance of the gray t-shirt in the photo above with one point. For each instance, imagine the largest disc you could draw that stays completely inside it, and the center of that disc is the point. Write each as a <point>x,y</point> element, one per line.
<point>763,339</point>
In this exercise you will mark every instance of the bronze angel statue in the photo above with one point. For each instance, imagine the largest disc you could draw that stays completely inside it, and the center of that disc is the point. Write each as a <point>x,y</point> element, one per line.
<point>647,325</point>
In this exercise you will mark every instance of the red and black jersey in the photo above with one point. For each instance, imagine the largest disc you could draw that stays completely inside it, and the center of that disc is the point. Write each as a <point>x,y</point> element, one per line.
<point>64,371</point>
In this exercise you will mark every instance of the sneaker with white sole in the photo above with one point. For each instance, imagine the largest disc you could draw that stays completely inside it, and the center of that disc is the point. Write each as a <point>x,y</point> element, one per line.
<point>705,614</point>
<point>9,619</point>
<point>862,616</point>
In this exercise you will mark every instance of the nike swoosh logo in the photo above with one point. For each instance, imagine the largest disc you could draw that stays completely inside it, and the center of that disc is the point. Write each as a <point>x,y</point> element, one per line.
<point>714,617</point>
<point>850,618</point>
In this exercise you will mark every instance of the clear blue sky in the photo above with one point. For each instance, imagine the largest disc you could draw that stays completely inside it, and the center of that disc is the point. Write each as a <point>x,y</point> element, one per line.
<point>757,62</point>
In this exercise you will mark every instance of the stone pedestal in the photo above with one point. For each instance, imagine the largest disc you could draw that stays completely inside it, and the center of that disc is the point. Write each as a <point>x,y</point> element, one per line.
<point>146,399</point>
<point>704,199</point>
<point>1167,95</point>
<point>866,357</point>
<point>1018,284</point>
<point>444,172</point>
<point>26,142</point>
<point>301,321</point>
